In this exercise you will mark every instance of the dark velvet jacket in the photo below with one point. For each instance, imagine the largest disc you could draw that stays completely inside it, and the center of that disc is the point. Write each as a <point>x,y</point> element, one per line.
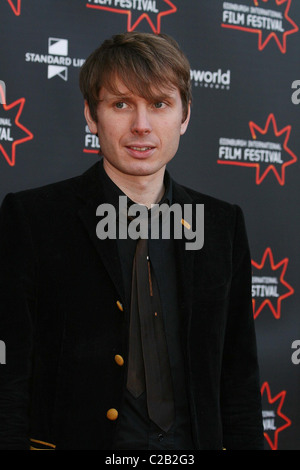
<point>64,318</point>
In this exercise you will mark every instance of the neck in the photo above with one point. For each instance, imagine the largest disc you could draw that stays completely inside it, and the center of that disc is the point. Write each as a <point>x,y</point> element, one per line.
<point>141,189</point>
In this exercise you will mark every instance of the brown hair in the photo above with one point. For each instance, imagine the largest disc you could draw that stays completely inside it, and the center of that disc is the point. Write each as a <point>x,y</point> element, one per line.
<point>142,61</point>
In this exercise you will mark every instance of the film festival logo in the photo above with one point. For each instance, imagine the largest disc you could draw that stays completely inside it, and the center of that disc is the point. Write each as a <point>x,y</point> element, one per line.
<point>274,420</point>
<point>57,59</point>
<point>267,152</point>
<point>91,142</point>
<point>269,19</point>
<point>269,287</point>
<point>12,132</point>
<point>15,6</point>
<point>136,11</point>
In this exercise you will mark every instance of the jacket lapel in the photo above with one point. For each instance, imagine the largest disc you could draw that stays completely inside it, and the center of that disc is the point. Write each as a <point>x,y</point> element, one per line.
<point>185,258</point>
<point>92,194</point>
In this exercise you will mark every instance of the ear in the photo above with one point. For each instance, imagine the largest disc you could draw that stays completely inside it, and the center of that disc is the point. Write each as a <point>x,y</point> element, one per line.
<point>88,117</point>
<point>185,123</point>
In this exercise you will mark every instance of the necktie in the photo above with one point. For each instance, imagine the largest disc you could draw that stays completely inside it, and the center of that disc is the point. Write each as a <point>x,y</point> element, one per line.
<point>148,362</point>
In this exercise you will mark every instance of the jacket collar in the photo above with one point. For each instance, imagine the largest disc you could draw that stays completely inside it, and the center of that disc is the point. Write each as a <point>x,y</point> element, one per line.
<point>90,190</point>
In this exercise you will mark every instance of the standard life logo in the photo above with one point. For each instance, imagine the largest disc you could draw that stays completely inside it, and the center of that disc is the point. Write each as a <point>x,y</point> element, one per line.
<point>57,59</point>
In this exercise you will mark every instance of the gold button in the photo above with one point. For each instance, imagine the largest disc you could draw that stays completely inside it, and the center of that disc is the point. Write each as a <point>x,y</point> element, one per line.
<point>186,224</point>
<point>120,306</point>
<point>119,360</point>
<point>112,414</point>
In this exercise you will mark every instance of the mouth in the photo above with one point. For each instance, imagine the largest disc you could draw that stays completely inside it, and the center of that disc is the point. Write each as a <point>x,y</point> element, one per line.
<point>140,151</point>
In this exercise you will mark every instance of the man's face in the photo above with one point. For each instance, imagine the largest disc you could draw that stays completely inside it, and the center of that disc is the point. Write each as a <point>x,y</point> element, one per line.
<point>138,137</point>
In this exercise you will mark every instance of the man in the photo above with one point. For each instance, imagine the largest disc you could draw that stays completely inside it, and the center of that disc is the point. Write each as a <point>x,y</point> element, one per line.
<point>78,306</point>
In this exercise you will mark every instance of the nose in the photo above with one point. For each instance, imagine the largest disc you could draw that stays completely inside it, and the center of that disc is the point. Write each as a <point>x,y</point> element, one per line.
<point>141,124</point>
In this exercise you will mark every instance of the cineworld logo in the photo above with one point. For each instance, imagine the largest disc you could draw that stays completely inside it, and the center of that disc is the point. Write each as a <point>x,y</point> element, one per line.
<point>151,11</point>
<point>274,420</point>
<point>57,59</point>
<point>269,286</point>
<point>268,18</point>
<point>209,79</point>
<point>267,152</point>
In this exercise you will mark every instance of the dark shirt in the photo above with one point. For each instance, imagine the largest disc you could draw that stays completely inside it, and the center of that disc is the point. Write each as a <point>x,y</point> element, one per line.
<point>134,429</point>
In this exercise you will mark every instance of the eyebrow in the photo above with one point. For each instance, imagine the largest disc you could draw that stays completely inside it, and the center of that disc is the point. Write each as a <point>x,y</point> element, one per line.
<point>130,96</point>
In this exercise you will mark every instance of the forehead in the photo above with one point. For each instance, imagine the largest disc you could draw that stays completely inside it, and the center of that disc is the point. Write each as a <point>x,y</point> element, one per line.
<point>117,88</point>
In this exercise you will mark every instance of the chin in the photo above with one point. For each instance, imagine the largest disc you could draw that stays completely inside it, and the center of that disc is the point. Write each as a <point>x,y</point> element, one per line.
<point>142,168</point>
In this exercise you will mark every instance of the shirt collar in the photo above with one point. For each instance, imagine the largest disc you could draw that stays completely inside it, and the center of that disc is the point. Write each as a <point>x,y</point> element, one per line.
<point>112,192</point>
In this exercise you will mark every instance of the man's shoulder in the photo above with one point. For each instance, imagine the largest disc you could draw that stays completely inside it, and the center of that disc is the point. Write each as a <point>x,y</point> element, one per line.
<point>196,197</point>
<point>63,192</point>
<point>221,217</point>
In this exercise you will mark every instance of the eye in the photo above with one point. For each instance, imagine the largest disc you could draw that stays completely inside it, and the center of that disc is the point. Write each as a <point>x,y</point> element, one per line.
<point>159,105</point>
<point>120,105</point>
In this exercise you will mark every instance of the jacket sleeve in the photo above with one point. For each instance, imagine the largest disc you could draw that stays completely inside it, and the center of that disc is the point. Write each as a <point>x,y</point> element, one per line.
<point>240,387</point>
<point>17,301</point>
